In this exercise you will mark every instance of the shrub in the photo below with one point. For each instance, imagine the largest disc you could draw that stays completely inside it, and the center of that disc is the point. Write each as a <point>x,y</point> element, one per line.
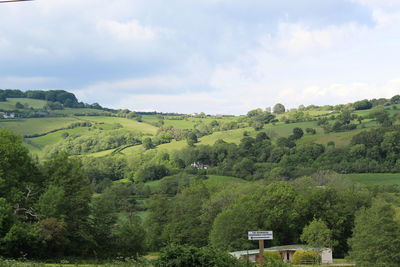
<point>187,256</point>
<point>272,255</point>
<point>306,256</point>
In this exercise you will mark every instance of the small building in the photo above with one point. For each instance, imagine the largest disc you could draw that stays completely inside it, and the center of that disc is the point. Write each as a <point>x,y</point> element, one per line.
<point>8,115</point>
<point>200,166</point>
<point>286,253</point>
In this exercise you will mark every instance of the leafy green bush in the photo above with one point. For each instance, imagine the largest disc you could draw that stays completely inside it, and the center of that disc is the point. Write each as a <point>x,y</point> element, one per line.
<point>306,256</point>
<point>272,255</point>
<point>186,256</point>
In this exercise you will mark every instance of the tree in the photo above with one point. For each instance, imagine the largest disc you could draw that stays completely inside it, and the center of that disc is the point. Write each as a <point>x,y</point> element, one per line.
<point>376,236</point>
<point>129,237</point>
<point>191,139</point>
<point>19,177</point>
<point>382,116</point>
<point>3,97</point>
<point>148,143</point>
<point>395,99</point>
<point>67,173</point>
<point>18,105</point>
<point>279,108</point>
<point>297,134</point>
<point>317,235</point>
<point>186,256</point>
<point>363,104</point>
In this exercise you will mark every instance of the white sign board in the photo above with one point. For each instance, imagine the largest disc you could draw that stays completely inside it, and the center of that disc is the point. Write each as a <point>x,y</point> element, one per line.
<point>260,235</point>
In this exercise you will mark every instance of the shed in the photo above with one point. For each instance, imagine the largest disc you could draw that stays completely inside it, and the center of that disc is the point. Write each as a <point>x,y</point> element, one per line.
<point>286,253</point>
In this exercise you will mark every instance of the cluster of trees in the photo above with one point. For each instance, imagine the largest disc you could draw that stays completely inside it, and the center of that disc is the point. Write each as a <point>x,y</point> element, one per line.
<point>58,99</point>
<point>97,141</point>
<point>258,117</point>
<point>47,209</point>
<point>322,210</point>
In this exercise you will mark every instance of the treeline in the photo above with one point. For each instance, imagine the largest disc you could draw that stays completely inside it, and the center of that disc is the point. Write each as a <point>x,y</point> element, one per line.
<point>58,99</point>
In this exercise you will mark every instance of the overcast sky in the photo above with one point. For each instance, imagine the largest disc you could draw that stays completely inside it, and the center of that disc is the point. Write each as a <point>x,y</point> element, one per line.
<point>216,56</point>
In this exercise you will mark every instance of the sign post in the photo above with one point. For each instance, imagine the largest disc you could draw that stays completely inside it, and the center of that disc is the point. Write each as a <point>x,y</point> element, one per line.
<point>261,236</point>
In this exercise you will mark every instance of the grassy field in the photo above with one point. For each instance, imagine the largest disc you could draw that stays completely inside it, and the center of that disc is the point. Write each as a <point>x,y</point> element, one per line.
<point>80,111</point>
<point>36,125</point>
<point>30,103</point>
<point>126,123</point>
<point>187,123</point>
<point>55,137</point>
<point>375,178</point>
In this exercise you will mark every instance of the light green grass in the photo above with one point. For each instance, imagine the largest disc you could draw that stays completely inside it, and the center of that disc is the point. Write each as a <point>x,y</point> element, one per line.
<point>32,126</point>
<point>187,123</point>
<point>375,178</point>
<point>79,111</point>
<point>32,103</point>
<point>129,124</point>
<point>55,137</point>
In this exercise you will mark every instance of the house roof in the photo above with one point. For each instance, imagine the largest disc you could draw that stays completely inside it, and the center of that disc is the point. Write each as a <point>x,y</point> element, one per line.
<point>279,248</point>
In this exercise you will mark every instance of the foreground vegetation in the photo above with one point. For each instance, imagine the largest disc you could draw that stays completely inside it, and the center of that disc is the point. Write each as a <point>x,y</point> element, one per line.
<point>126,184</point>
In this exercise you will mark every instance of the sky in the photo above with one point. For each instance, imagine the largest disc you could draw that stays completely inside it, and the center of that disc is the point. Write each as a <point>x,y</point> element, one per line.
<point>213,56</point>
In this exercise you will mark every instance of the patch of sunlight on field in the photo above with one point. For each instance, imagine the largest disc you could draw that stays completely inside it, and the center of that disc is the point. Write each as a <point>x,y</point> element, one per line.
<point>53,138</point>
<point>129,124</point>
<point>31,126</point>
<point>31,103</point>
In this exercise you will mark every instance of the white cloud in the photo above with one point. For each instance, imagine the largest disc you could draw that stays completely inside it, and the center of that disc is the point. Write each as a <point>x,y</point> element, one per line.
<point>130,31</point>
<point>24,82</point>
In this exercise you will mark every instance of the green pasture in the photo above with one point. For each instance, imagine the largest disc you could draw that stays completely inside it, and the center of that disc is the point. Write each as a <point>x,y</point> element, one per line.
<point>32,126</point>
<point>186,123</point>
<point>53,138</point>
<point>80,111</point>
<point>375,178</point>
<point>129,124</point>
<point>30,103</point>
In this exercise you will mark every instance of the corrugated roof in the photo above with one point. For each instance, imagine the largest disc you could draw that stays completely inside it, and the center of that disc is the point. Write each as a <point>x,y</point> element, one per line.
<point>278,248</point>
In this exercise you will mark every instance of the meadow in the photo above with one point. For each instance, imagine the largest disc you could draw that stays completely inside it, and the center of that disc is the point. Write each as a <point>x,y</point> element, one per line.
<point>31,126</point>
<point>27,102</point>
<point>375,178</point>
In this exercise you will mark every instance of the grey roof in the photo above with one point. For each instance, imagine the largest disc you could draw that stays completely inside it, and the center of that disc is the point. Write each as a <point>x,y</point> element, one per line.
<point>279,248</point>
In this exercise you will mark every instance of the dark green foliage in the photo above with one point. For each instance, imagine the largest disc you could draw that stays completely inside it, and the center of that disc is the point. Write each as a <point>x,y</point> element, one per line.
<point>311,131</point>
<point>13,93</point>
<point>148,143</point>
<point>279,108</point>
<point>381,115</point>
<point>395,99</point>
<point>151,173</point>
<point>18,174</point>
<point>18,105</point>
<point>191,139</point>
<point>376,236</point>
<point>67,173</point>
<point>363,104</point>
<point>297,134</point>
<point>3,96</point>
<point>129,238</point>
<point>186,256</point>
<point>97,141</point>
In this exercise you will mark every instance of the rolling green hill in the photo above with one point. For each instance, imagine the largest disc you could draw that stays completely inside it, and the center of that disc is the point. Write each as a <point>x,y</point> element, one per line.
<point>27,102</point>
